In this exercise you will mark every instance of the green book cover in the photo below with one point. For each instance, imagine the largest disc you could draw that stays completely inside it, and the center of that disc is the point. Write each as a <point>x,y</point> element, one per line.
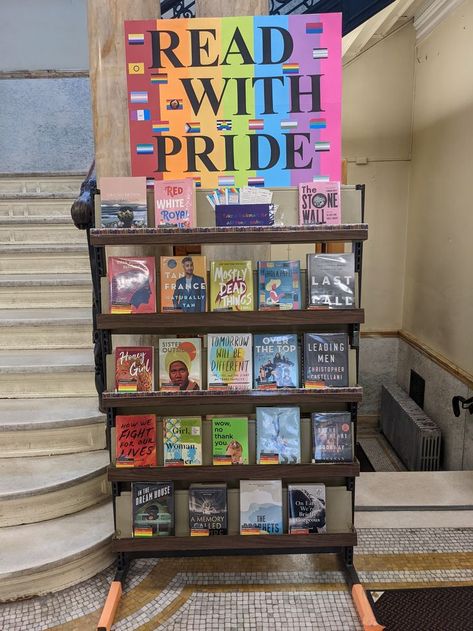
<point>182,441</point>
<point>230,440</point>
<point>231,286</point>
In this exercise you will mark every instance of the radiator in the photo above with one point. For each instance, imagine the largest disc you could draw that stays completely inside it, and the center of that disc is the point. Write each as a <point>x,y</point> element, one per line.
<point>412,434</point>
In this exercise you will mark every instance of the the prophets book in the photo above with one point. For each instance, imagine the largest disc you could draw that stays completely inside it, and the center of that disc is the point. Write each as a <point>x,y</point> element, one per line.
<point>229,361</point>
<point>182,441</point>
<point>332,432</point>
<point>230,440</point>
<point>278,435</point>
<point>153,509</point>
<point>135,437</point>
<point>306,508</point>
<point>134,368</point>
<point>207,510</point>
<point>319,203</point>
<point>183,283</point>
<point>325,360</point>
<point>261,507</point>
<point>231,286</point>
<point>331,279</point>
<point>180,364</point>
<point>275,361</point>
<point>132,286</point>
<point>279,285</point>
<point>174,203</point>
<point>123,202</point>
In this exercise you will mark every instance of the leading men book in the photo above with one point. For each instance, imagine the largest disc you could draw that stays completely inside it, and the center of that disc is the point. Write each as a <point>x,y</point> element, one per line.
<point>134,368</point>
<point>174,203</point>
<point>153,509</point>
<point>325,360</point>
<point>183,284</point>
<point>230,440</point>
<point>131,283</point>
<point>207,510</point>
<point>261,507</point>
<point>182,437</point>
<point>180,364</point>
<point>278,435</point>
<point>275,361</point>
<point>231,286</point>
<point>307,514</point>
<point>279,285</point>
<point>229,357</point>
<point>332,433</point>
<point>135,440</point>
<point>123,202</point>
<point>331,279</point>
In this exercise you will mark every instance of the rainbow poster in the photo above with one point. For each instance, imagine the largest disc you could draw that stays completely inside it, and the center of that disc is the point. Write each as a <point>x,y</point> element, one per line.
<point>251,100</point>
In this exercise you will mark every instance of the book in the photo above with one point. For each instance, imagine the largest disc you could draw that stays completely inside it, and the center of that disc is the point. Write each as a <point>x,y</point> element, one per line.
<point>331,279</point>
<point>180,364</point>
<point>123,202</point>
<point>306,508</point>
<point>134,368</point>
<point>332,437</point>
<point>153,509</point>
<point>325,360</point>
<point>278,435</point>
<point>182,441</point>
<point>208,510</point>
<point>231,286</point>
<point>183,284</point>
<point>174,203</point>
<point>132,286</point>
<point>275,361</point>
<point>261,507</point>
<point>229,361</point>
<point>319,202</point>
<point>135,440</point>
<point>230,440</point>
<point>279,285</point>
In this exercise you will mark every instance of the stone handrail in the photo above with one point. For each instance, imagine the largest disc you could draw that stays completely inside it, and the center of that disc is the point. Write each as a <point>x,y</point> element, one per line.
<point>82,209</point>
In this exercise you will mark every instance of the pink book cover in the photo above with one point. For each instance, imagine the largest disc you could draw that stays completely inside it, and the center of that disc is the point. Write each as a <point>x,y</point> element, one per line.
<point>132,284</point>
<point>319,203</point>
<point>174,203</point>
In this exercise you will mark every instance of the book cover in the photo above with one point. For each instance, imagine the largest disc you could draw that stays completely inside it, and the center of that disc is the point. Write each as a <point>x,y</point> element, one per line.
<point>180,364</point>
<point>123,202</point>
<point>230,440</point>
<point>153,509</point>
<point>135,437</point>
<point>244,214</point>
<point>278,435</point>
<point>229,361</point>
<point>132,286</point>
<point>319,202</point>
<point>182,441</point>
<point>331,279</point>
<point>174,203</point>
<point>261,507</point>
<point>306,508</point>
<point>332,435</point>
<point>325,360</point>
<point>183,284</point>
<point>208,510</point>
<point>279,285</point>
<point>231,286</point>
<point>275,361</point>
<point>134,368</point>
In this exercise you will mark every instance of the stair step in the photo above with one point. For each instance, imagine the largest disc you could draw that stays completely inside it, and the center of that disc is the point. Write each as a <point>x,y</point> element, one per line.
<point>18,291</point>
<point>41,183</point>
<point>36,207</point>
<point>50,258</point>
<point>39,232</point>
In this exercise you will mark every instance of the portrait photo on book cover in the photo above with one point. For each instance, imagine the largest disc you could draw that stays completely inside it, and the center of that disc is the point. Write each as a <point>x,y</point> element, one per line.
<point>178,365</point>
<point>190,290</point>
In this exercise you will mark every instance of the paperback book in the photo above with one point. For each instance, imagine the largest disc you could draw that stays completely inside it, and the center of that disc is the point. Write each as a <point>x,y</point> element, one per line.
<point>230,440</point>
<point>331,279</point>
<point>229,358</point>
<point>319,203</point>
<point>332,432</point>
<point>207,510</point>
<point>132,286</point>
<point>183,284</point>
<point>306,508</point>
<point>231,286</point>
<point>134,368</point>
<point>278,435</point>
<point>182,441</point>
<point>135,440</point>
<point>325,360</point>
<point>153,509</point>
<point>275,361</point>
<point>180,364</point>
<point>123,202</point>
<point>174,203</point>
<point>261,507</point>
<point>279,285</point>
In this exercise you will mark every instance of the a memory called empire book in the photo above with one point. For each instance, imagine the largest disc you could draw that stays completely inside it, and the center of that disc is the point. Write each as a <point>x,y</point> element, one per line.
<point>279,285</point>
<point>231,286</point>
<point>174,203</point>
<point>275,361</point>
<point>132,285</point>
<point>123,202</point>
<point>183,284</point>
<point>331,279</point>
<point>208,510</point>
<point>325,360</point>
<point>134,368</point>
<point>182,436</point>
<point>332,436</point>
<point>229,361</point>
<point>261,507</point>
<point>180,364</point>
<point>307,508</point>
<point>135,440</point>
<point>319,203</point>
<point>153,509</point>
<point>230,440</point>
<point>278,435</point>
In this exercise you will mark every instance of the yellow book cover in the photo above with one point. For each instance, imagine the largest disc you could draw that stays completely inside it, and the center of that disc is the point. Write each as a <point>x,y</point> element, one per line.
<point>231,286</point>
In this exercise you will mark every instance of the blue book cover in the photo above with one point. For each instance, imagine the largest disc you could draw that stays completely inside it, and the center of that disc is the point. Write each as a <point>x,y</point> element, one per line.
<point>261,507</point>
<point>275,361</point>
<point>278,435</point>
<point>279,285</point>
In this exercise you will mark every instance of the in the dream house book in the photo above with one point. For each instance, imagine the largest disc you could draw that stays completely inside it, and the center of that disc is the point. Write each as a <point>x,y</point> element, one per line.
<point>261,507</point>
<point>123,202</point>
<point>134,368</point>
<point>275,361</point>
<point>153,509</point>
<point>325,360</point>
<point>207,510</point>
<point>319,203</point>
<point>183,284</point>
<point>135,440</point>
<point>174,203</point>
<point>182,441</point>
<point>279,285</point>
<point>230,440</point>
<point>307,514</point>
<point>229,361</point>
<point>231,286</point>
<point>132,286</point>
<point>332,434</point>
<point>180,364</point>
<point>331,279</point>
<point>278,435</point>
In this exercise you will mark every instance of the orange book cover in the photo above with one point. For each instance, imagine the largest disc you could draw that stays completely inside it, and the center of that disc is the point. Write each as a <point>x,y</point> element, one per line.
<point>183,283</point>
<point>135,440</point>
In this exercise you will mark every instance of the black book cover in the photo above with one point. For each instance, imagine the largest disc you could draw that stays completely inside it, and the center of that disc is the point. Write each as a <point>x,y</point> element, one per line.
<point>325,360</point>
<point>306,508</point>
<point>153,509</point>
<point>332,437</point>
<point>208,510</point>
<point>331,280</point>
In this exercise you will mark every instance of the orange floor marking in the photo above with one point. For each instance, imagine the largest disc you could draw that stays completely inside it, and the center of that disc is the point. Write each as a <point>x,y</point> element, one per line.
<point>363,608</point>
<point>110,607</point>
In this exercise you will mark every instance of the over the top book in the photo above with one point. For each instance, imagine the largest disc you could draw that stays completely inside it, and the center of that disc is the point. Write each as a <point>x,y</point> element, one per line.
<point>174,203</point>
<point>319,203</point>
<point>279,285</point>
<point>325,360</point>
<point>132,286</point>
<point>123,202</point>
<point>229,361</point>
<point>231,286</point>
<point>275,361</point>
<point>331,279</point>
<point>134,368</point>
<point>135,440</point>
<point>183,283</point>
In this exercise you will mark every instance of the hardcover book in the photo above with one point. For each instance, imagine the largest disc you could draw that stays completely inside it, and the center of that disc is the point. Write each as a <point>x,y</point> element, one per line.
<point>325,360</point>
<point>319,203</point>
<point>306,508</point>
<point>279,285</point>
<point>261,507</point>
<point>331,280</point>
<point>135,440</point>
<point>208,510</point>
<point>174,203</point>
<point>153,509</point>
<point>231,286</point>
<point>229,361</point>
<point>230,440</point>
<point>132,286</point>
<point>182,441</point>
<point>278,435</point>
<point>123,202</point>
<point>134,368</point>
<point>275,361</point>
<point>332,434</point>
<point>180,364</point>
<point>183,283</point>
